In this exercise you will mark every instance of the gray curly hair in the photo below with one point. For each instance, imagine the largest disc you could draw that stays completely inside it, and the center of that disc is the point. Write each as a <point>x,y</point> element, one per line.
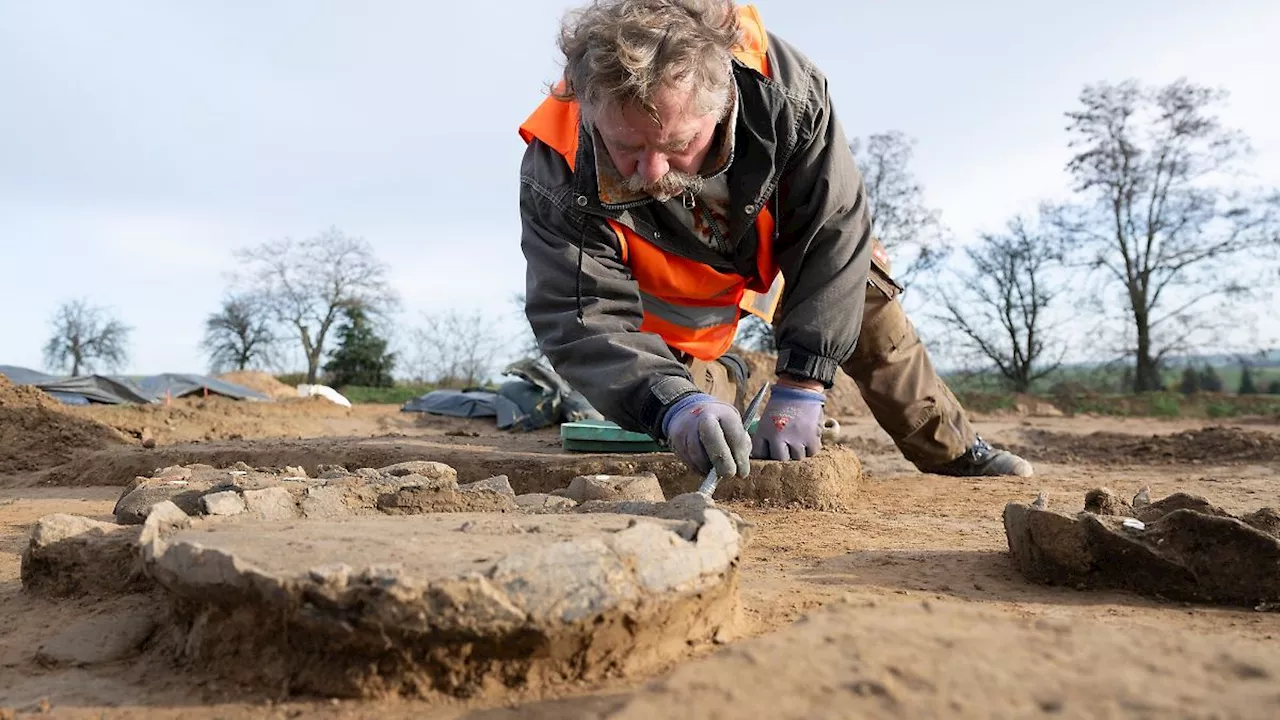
<point>619,52</point>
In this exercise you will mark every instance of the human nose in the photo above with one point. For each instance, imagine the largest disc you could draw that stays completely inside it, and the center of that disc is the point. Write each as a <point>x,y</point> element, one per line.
<point>653,166</point>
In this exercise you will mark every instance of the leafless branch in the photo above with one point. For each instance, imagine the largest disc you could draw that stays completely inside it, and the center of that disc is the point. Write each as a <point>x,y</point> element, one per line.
<point>911,232</point>
<point>306,285</point>
<point>455,349</point>
<point>1156,168</point>
<point>239,335</point>
<point>85,338</point>
<point>1000,309</point>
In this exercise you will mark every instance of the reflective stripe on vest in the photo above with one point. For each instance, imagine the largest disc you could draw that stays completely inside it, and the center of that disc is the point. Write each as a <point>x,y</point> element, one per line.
<point>690,316</point>
<point>694,307</point>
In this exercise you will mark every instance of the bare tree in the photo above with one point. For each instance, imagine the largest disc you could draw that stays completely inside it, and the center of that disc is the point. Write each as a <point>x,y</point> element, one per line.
<point>529,342</point>
<point>1162,219</point>
<point>1001,308</point>
<point>307,284</point>
<point>756,335</point>
<point>239,335</point>
<point>895,199</point>
<point>455,349</point>
<point>84,338</point>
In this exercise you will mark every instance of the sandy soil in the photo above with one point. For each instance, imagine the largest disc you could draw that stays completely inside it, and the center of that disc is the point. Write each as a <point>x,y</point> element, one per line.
<point>917,541</point>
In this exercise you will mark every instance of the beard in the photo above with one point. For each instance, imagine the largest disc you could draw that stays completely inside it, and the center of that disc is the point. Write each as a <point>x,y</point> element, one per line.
<point>667,186</point>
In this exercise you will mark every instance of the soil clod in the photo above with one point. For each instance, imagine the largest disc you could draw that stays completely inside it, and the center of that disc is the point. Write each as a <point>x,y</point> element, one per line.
<point>1180,547</point>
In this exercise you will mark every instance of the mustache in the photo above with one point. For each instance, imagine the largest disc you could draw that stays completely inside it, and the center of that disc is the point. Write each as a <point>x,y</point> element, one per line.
<point>667,186</point>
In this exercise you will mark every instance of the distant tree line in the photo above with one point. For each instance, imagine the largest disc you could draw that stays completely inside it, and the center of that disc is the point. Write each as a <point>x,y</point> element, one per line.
<point>1206,379</point>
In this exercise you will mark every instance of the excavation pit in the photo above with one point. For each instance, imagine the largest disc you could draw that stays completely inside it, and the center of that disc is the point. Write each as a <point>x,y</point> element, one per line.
<point>833,480</point>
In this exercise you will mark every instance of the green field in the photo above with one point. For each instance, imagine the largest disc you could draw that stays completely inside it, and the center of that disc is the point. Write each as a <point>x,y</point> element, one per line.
<point>1108,379</point>
<point>398,395</point>
<point>1103,391</point>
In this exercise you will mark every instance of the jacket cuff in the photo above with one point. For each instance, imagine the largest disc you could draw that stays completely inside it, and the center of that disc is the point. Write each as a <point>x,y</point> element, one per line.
<point>807,366</point>
<point>661,396</point>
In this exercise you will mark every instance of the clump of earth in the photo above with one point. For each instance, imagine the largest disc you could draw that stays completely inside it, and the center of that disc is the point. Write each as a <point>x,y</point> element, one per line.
<point>1180,547</point>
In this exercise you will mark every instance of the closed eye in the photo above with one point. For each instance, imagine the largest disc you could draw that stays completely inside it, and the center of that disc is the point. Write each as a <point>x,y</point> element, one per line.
<point>683,147</point>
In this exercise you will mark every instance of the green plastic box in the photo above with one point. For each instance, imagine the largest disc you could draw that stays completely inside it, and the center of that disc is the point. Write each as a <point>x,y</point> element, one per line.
<point>602,436</point>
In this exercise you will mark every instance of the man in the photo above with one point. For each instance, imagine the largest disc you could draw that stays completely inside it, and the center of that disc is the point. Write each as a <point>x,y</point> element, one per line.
<point>689,168</point>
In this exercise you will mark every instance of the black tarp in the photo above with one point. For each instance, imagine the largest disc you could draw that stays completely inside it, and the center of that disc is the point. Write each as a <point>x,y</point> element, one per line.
<point>534,406</point>
<point>24,376</point>
<point>455,403</point>
<point>544,396</point>
<point>537,398</point>
<point>120,389</point>
<point>468,404</point>
<point>96,389</point>
<point>181,385</point>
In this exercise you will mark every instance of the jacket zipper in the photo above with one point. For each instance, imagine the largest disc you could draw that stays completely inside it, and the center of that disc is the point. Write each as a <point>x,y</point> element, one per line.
<point>722,245</point>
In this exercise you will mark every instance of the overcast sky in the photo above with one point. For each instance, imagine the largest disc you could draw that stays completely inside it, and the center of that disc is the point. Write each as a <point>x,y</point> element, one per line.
<point>141,142</point>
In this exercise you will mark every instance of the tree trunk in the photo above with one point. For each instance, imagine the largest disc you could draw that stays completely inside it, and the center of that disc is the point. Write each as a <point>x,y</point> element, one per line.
<point>1147,376</point>
<point>313,367</point>
<point>1022,383</point>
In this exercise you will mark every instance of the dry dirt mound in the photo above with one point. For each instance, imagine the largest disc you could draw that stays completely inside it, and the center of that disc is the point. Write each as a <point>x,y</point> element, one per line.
<point>1211,444</point>
<point>23,396</point>
<point>264,383</point>
<point>843,399</point>
<point>217,418</point>
<point>37,432</point>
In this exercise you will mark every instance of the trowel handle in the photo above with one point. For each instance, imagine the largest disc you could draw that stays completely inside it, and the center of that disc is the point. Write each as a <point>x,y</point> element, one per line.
<point>708,486</point>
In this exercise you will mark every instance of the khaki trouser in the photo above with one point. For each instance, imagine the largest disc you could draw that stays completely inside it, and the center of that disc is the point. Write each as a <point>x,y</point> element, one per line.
<point>896,377</point>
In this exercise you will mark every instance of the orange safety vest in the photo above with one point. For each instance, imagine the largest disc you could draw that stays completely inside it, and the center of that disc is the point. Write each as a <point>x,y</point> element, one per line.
<point>694,307</point>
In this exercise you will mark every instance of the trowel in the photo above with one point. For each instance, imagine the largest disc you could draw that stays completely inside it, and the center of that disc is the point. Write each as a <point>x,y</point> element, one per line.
<point>708,487</point>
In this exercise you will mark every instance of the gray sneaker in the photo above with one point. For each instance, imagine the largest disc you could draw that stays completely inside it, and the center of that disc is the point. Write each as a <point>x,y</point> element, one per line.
<point>982,460</point>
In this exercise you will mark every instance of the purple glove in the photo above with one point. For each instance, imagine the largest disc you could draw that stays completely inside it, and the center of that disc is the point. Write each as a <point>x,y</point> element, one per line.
<point>790,426</point>
<point>704,432</point>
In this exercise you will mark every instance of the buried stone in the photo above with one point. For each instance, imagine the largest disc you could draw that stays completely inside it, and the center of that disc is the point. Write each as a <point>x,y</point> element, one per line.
<point>274,503</point>
<point>538,503</point>
<point>422,468</point>
<point>269,494</point>
<point>186,487</point>
<point>226,502</point>
<point>832,480</point>
<point>499,484</point>
<point>69,556</point>
<point>611,488</point>
<point>453,603</point>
